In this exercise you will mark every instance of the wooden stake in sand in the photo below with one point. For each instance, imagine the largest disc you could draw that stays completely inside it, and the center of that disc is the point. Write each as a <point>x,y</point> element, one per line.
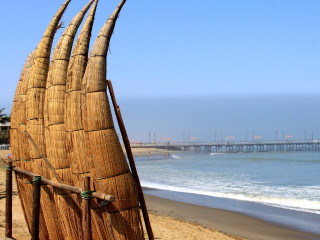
<point>86,211</point>
<point>36,208</point>
<point>8,233</point>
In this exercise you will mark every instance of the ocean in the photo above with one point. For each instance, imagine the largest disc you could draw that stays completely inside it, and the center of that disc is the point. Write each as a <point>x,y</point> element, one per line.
<point>279,187</point>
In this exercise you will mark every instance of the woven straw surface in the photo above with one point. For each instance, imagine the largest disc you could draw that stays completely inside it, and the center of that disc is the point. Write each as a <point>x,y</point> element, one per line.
<point>73,111</point>
<point>37,83</point>
<point>55,95</point>
<point>70,215</point>
<point>18,114</point>
<point>56,154</point>
<point>51,213</point>
<point>76,140</point>
<point>36,130</point>
<point>125,224</point>
<point>18,138</point>
<point>24,184</point>
<point>110,172</point>
<point>35,119</point>
<point>97,113</point>
<point>19,144</point>
<point>65,109</point>
<point>109,159</point>
<point>55,134</point>
<point>78,153</point>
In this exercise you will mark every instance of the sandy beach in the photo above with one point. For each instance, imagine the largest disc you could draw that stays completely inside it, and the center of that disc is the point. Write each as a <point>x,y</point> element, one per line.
<point>177,220</point>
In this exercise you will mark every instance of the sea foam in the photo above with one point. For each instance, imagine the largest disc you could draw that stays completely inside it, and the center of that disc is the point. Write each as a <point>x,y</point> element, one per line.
<point>311,206</point>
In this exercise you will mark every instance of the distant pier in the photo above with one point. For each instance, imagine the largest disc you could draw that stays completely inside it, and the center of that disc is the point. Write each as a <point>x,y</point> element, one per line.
<point>235,147</point>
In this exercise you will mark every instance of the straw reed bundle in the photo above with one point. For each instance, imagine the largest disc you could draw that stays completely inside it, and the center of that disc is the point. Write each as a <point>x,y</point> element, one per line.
<point>55,96</point>
<point>24,184</point>
<point>35,119</point>
<point>77,150</point>
<point>19,144</point>
<point>18,114</point>
<point>110,172</point>
<point>65,109</point>
<point>37,84</point>
<point>55,133</point>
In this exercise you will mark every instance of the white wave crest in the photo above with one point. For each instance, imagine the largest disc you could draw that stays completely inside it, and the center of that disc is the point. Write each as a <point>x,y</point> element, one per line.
<point>304,205</point>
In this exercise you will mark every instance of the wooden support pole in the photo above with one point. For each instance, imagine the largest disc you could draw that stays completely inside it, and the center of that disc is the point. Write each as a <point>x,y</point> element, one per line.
<point>86,214</point>
<point>43,157</point>
<point>36,208</point>
<point>102,196</point>
<point>8,224</point>
<point>131,160</point>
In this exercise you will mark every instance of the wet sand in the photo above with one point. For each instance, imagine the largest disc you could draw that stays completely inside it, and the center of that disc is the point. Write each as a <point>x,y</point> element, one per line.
<point>228,222</point>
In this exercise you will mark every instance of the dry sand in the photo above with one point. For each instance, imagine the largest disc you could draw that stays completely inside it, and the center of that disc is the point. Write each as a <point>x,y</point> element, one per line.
<point>164,227</point>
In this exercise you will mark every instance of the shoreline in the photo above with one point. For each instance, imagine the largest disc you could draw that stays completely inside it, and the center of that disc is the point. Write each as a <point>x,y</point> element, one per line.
<point>228,222</point>
<point>291,219</point>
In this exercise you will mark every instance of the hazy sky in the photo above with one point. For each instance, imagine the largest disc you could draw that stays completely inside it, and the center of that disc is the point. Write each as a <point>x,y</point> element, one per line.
<point>186,49</point>
<point>208,118</point>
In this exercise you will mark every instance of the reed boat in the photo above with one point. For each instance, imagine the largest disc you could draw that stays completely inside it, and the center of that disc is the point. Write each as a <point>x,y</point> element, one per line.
<point>62,129</point>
